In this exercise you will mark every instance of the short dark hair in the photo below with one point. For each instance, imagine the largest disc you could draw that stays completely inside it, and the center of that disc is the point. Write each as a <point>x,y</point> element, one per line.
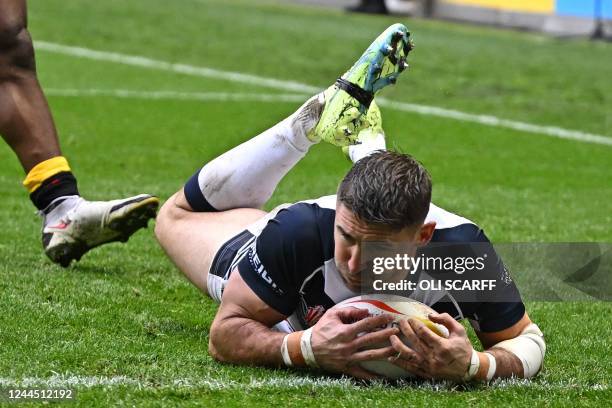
<point>387,188</point>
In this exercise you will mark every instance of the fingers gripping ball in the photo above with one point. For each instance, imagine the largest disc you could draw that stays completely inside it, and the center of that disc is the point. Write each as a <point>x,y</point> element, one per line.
<point>400,308</point>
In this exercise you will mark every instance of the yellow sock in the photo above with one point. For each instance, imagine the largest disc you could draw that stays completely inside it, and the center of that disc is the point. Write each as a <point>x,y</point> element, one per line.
<point>43,171</point>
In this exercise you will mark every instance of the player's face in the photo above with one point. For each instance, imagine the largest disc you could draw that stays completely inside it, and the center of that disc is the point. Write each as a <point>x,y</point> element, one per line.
<point>350,233</point>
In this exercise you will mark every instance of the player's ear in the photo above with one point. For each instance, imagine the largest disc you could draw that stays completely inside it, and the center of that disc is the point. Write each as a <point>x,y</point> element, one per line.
<point>425,233</point>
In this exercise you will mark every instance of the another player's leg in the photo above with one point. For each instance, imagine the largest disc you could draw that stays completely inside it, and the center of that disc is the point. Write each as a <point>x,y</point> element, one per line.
<point>25,121</point>
<point>71,225</point>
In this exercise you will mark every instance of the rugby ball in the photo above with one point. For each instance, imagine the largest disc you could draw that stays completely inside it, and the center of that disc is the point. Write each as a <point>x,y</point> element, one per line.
<point>401,308</point>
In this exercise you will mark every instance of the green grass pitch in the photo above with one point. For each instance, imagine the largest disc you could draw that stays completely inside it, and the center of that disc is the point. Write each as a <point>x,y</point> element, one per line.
<point>123,327</point>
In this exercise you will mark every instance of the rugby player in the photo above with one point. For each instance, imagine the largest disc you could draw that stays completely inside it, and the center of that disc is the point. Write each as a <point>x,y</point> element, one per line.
<point>277,275</point>
<point>71,224</point>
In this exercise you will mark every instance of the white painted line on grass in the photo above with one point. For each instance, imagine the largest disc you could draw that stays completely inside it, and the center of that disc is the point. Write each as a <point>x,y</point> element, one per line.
<point>285,85</point>
<point>494,121</point>
<point>58,381</point>
<point>175,95</point>
<point>150,63</point>
<point>79,382</point>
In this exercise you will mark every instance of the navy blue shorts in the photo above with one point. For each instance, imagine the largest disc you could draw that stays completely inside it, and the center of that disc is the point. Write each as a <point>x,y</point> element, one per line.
<point>225,261</point>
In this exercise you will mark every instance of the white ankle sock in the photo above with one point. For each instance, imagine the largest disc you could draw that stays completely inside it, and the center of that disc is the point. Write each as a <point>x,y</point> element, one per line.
<point>247,175</point>
<point>370,144</point>
<point>57,211</point>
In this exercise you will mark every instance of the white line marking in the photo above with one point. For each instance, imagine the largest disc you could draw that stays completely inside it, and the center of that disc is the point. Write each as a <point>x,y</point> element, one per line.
<point>285,85</point>
<point>145,62</point>
<point>175,95</point>
<point>67,380</point>
<point>494,121</point>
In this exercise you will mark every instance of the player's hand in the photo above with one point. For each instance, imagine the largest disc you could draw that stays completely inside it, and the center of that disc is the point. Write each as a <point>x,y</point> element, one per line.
<point>337,346</point>
<point>432,356</point>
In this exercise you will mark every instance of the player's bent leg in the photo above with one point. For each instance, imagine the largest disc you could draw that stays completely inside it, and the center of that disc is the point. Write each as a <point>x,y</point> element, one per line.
<point>192,239</point>
<point>247,175</point>
<point>222,198</point>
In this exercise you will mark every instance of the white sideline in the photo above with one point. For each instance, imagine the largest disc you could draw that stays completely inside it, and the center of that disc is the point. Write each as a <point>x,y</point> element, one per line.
<point>494,121</point>
<point>175,95</point>
<point>285,85</point>
<point>80,382</point>
<point>145,62</point>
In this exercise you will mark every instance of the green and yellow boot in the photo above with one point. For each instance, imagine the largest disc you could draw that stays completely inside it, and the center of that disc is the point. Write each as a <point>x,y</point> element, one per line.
<point>348,100</point>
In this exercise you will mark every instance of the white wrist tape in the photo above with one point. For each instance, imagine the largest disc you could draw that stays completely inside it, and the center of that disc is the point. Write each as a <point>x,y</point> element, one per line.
<point>306,348</point>
<point>285,353</point>
<point>492,366</point>
<point>474,366</point>
<point>529,347</point>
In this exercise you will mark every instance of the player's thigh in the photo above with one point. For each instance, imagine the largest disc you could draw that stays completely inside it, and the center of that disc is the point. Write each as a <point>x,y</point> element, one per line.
<point>192,239</point>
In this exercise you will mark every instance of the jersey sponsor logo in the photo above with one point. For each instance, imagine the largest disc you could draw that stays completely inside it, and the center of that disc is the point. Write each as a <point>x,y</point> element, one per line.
<point>259,268</point>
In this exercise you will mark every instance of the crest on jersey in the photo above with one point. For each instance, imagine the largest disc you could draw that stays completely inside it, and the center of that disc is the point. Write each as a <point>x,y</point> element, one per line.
<point>313,314</point>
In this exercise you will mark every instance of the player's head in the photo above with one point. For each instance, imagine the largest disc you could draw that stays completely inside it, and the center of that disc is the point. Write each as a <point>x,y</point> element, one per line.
<point>384,197</point>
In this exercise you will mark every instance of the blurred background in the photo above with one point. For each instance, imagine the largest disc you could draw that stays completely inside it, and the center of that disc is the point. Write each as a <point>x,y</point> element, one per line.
<point>559,17</point>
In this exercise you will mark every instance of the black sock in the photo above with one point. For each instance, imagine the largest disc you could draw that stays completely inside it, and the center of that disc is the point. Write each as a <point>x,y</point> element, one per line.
<point>58,185</point>
<point>195,197</point>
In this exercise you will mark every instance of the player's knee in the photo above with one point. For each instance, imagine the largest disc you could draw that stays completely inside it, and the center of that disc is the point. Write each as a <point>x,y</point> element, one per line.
<point>167,216</point>
<point>16,46</point>
<point>163,221</point>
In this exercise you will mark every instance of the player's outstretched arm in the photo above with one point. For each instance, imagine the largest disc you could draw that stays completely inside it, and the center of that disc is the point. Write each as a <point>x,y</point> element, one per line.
<point>241,330</point>
<point>241,333</point>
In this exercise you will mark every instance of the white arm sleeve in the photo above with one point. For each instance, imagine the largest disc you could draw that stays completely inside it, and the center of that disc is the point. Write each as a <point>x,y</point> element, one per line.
<point>529,347</point>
